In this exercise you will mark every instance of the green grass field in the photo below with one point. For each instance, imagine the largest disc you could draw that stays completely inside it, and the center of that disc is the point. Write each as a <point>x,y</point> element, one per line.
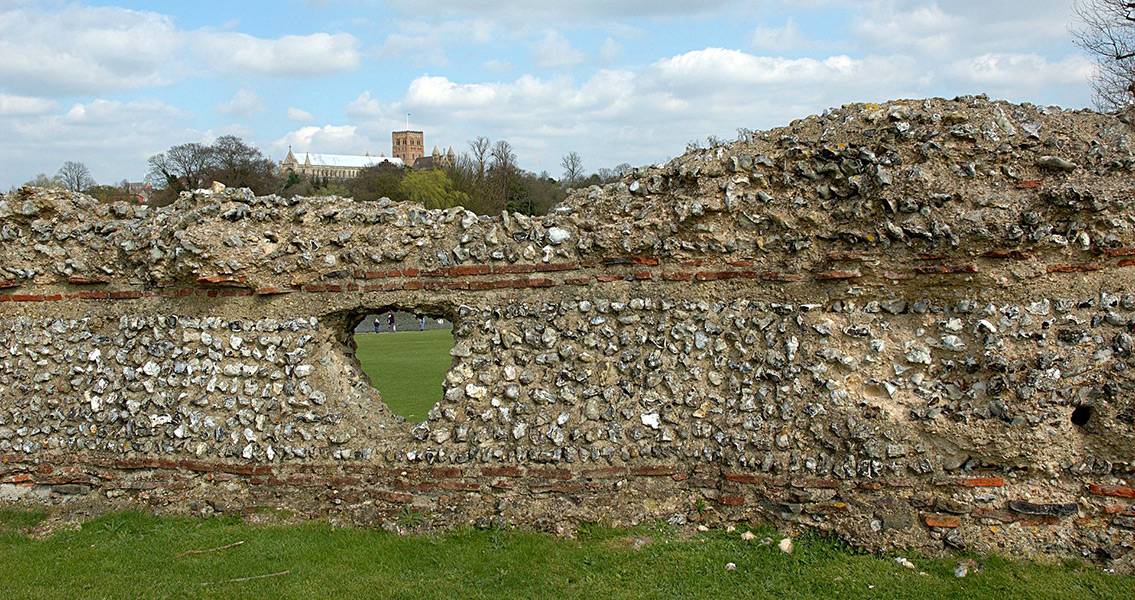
<point>141,556</point>
<point>408,368</point>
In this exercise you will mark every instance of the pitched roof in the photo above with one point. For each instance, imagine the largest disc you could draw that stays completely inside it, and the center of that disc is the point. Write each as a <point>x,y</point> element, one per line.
<point>350,160</point>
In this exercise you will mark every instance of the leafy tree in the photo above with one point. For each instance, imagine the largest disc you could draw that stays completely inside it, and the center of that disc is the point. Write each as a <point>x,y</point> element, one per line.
<point>377,181</point>
<point>332,188</point>
<point>573,168</point>
<point>293,179</point>
<point>1106,31</point>
<point>461,172</point>
<point>41,180</point>
<point>75,176</point>
<point>432,189</point>
<point>109,193</point>
<point>536,194</point>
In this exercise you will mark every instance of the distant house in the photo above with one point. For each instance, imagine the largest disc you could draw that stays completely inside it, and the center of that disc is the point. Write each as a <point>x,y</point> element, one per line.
<point>333,166</point>
<point>138,191</point>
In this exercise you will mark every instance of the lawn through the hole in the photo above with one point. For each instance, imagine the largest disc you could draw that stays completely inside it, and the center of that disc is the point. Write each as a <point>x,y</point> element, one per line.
<point>408,368</point>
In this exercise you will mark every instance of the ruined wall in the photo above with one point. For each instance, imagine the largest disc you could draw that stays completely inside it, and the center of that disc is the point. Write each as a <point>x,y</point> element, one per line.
<point>910,324</point>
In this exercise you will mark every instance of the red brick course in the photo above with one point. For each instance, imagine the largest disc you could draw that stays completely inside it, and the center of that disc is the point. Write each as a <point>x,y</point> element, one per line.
<point>1115,491</point>
<point>942,521</point>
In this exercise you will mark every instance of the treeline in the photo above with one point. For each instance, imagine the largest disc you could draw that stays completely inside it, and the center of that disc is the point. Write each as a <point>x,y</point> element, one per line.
<point>75,176</point>
<point>486,179</point>
<point>193,166</point>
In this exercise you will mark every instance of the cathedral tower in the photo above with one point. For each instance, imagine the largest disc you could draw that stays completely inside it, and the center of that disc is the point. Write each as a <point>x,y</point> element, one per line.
<point>408,145</point>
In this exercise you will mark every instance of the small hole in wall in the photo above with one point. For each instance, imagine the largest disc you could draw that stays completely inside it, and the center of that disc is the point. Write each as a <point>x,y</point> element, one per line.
<point>1081,415</point>
<point>406,356</point>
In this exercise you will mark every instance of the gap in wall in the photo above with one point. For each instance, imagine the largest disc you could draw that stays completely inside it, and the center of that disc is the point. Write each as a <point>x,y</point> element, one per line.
<point>405,356</point>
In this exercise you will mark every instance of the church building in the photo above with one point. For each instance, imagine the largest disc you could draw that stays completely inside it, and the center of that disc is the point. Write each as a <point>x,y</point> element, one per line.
<point>333,166</point>
<point>408,149</point>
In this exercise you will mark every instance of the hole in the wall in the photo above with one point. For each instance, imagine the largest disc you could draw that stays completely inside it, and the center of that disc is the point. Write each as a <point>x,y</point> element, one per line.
<point>1081,415</point>
<point>405,356</point>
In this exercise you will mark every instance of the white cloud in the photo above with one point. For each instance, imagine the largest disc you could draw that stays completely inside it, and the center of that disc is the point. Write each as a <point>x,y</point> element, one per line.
<point>713,69</point>
<point>290,55</point>
<point>299,115</point>
<point>113,138</point>
<point>497,66</point>
<point>946,30</point>
<point>528,11</point>
<point>24,105</point>
<point>441,93</point>
<point>421,50</point>
<point>333,139</point>
<point>245,104</point>
<point>80,49</point>
<point>1019,72</point>
<point>48,50</point>
<point>778,39</point>
<point>555,51</point>
<point>111,113</point>
<point>609,51</point>
<point>364,106</point>
<point>923,29</point>
<point>237,129</point>
<point>649,112</point>
<point>424,43</point>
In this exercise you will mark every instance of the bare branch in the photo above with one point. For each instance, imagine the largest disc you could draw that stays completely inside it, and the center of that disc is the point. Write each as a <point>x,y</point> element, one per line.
<point>280,574</point>
<point>226,547</point>
<point>1105,30</point>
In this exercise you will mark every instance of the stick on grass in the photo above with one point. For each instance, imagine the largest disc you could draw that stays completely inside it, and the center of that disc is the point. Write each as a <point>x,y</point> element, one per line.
<point>280,574</point>
<point>225,547</point>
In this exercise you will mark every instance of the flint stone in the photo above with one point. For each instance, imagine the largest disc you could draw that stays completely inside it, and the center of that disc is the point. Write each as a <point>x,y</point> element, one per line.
<point>557,236</point>
<point>1044,510</point>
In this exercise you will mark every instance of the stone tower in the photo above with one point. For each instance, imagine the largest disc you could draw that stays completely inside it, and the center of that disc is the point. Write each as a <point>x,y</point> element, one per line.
<point>408,145</point>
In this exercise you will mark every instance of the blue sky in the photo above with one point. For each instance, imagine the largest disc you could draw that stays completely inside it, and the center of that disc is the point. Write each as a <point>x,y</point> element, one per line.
<point>111,83</point>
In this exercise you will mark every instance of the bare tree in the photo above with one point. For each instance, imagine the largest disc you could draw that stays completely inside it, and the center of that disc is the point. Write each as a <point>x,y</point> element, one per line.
<point>182,167</point>
<point>1106,31</point>
<point>236,164</point>
<point>75,176</point>
<point>503,172</point>
<point>503,156</point>
<point>480,156</point>
<point>573,168</point>
<point>228,160</point>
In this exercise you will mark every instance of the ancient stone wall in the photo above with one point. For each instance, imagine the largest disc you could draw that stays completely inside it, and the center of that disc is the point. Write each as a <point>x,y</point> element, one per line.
<point>910,324</point>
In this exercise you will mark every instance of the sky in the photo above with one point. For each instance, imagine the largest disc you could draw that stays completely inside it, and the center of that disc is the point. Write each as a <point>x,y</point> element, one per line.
<point>111,83</point>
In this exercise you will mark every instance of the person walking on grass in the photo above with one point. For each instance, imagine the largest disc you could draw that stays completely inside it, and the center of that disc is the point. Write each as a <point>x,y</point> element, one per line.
<point>421,324</point>
<point>390,322</point>
<point>376,324</point>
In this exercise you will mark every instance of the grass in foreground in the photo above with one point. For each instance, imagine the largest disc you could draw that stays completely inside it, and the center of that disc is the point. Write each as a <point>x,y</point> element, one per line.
<point>133,555</point>
<point>408,368</point>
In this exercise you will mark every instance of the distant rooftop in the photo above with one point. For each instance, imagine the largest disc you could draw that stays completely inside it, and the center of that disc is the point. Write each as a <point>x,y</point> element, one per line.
<point>349,160</point>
